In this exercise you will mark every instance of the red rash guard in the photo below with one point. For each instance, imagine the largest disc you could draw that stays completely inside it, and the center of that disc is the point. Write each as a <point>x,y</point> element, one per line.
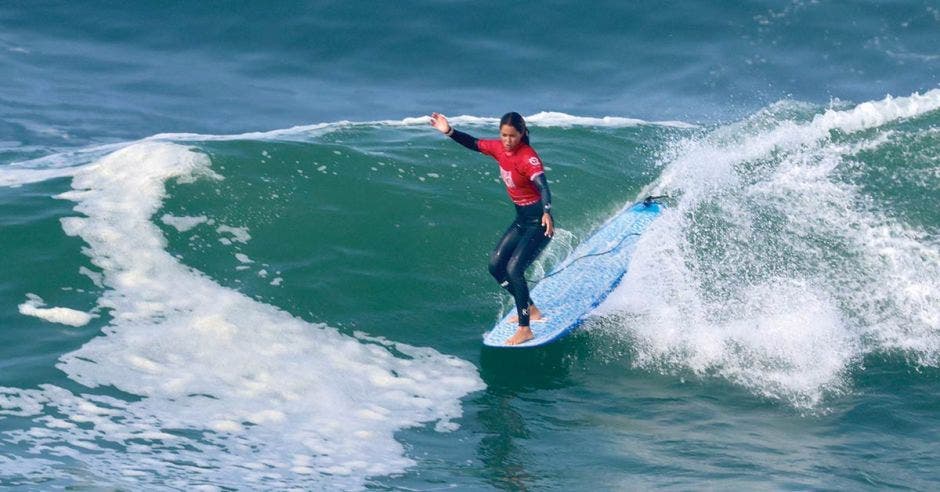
<point>517,168</point>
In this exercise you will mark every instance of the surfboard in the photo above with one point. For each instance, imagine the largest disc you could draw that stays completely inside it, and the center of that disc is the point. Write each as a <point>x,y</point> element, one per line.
<point>568,294</point>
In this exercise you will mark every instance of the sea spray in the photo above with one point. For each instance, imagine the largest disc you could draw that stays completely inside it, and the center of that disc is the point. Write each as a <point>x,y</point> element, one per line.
<point>775,271</point>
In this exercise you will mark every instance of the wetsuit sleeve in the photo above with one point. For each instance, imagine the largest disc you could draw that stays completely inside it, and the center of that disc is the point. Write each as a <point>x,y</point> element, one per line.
<point>464,139</point>
<point>542,184</point>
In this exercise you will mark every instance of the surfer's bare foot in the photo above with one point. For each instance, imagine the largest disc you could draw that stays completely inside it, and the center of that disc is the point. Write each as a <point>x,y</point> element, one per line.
<point>534,315</point>
<point>523,334</point>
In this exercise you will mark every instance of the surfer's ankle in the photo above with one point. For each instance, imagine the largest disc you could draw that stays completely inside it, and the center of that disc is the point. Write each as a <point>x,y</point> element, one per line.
<point>534,315</point>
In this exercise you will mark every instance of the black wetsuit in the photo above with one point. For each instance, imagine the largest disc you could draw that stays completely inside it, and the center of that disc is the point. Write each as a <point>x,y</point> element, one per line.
<point>521,243</point>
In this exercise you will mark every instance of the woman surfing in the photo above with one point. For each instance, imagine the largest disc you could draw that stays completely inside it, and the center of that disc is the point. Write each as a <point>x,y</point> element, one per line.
<point>524,176</point>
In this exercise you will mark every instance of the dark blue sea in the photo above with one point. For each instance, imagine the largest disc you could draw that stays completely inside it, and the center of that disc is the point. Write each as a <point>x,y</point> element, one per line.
<point>237,257</point>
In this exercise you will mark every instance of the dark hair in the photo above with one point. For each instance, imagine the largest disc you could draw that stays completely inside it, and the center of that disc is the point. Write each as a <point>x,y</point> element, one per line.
<point>516,121</point>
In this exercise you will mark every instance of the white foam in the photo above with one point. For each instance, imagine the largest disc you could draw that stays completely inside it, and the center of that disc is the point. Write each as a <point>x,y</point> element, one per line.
<point>239,234</point>
<point>12,177</point>
<point>96,278</point>
<point>66,316</point>
<point>877,113</point>
<point>543,119</point>
<point>302,132</point>
<point>306,132</point>
<point>183,223</point>
<point>552,118</point>
<point>704,166</point>
<point>225,382</point>
<point>774,271</point>
<point>53,166</point>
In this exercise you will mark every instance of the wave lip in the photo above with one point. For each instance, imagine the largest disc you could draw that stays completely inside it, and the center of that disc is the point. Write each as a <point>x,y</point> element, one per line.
<point>541,119</point>
<point>775,269</point>
<point>547,119</point>
<point>68,162</point>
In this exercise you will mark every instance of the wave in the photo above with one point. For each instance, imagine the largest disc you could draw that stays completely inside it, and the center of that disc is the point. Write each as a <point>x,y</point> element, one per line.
<point>229,390</point>
<point>776,268</point>
<point>306,133</point>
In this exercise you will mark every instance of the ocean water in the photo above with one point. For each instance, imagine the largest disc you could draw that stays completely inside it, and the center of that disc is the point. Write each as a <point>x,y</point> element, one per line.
<point>238,258</point>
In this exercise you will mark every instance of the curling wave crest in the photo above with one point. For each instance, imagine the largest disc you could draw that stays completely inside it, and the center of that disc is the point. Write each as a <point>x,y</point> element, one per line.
<point>781,266</point>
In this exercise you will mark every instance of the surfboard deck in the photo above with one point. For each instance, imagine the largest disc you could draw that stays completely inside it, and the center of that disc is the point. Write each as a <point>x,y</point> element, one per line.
<point>579,284</point>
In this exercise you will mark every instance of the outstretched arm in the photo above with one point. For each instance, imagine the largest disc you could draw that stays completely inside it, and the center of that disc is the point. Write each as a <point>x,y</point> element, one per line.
<point>440,122</point>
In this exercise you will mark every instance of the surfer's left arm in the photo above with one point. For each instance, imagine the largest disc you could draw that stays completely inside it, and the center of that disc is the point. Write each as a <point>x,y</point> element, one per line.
<point>440,122</point>
<point>542,184</point>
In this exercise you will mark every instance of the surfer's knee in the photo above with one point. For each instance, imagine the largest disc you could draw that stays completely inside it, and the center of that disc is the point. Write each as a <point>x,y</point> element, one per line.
<point>515,270</point>
<point>497,270</point>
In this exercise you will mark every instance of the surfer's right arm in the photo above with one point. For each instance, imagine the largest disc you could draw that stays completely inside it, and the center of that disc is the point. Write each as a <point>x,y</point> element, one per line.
<point>440,122</point>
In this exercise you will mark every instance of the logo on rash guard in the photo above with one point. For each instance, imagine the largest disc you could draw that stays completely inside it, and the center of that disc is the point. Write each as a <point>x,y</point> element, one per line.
<point>507,178</point>
<point>534,161</point>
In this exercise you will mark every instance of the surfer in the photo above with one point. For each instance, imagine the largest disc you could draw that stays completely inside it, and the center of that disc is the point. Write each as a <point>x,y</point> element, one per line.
<point>524,176</point>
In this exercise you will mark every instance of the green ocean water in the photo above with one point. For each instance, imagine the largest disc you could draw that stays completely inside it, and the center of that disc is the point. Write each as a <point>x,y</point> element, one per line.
<point>186,306</point>
<point>776,329</point>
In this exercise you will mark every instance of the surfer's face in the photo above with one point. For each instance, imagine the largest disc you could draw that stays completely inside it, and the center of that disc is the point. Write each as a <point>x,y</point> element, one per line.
<point>510,137</point>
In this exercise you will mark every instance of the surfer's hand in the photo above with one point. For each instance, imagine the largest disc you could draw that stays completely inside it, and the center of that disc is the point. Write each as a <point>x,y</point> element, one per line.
<point>548,224</point>
<point>439,121</point>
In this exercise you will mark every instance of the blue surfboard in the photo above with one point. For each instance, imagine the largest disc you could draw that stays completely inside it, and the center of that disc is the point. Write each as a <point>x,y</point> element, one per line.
<point>568,294</point>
